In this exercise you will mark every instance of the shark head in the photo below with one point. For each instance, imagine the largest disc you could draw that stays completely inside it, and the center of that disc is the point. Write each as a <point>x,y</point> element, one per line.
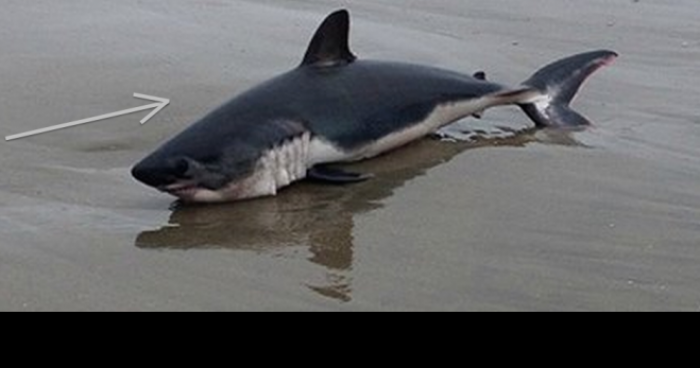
<point>235,171</point>
<point>194,175</point>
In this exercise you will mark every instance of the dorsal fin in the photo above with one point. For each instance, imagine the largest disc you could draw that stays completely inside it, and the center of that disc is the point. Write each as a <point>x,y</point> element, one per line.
<point>330,46</point>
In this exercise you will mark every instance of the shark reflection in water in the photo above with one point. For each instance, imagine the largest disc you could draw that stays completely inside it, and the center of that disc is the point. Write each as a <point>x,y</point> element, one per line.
<point>321,218</point>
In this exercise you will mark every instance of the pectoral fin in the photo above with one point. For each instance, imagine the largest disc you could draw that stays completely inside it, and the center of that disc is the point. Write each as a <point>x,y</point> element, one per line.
<point>336,176</point>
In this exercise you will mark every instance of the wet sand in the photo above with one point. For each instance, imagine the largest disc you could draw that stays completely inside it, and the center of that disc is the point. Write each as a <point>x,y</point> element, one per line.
<point>606,219</point>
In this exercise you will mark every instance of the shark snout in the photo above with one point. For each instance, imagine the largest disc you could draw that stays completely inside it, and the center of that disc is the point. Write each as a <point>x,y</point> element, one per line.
<point>162,174</point>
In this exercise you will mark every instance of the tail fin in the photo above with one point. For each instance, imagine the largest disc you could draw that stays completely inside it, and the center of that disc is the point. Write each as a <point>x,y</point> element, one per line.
<point>559,83</point>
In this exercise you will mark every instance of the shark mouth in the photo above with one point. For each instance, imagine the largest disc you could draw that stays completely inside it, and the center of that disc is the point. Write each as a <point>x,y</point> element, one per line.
<point>185,190</point>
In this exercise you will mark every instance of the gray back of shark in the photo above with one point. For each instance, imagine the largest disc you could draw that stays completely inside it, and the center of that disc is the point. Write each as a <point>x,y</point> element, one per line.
<point>335,108</point>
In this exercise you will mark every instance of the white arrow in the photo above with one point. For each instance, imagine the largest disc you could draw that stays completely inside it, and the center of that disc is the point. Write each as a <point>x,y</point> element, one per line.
<point>160,104</point>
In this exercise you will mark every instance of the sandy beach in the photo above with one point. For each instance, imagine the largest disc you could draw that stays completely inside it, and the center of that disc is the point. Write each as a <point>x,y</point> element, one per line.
<point>604,219</point>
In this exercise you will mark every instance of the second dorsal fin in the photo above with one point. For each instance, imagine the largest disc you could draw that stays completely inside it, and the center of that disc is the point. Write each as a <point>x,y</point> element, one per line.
<point>330,46</point>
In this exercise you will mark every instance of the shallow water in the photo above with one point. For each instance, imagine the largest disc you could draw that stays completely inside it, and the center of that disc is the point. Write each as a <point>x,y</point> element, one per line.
<point>605,219</point>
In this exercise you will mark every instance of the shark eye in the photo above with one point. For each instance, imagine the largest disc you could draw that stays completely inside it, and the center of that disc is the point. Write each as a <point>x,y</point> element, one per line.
<point>181,167</point>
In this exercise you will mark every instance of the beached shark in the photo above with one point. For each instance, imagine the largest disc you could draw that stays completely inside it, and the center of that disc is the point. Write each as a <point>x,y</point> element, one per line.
<point>333,109</point>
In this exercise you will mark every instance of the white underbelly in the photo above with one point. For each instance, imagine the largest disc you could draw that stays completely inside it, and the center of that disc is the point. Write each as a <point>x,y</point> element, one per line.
<point>322,151</point>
